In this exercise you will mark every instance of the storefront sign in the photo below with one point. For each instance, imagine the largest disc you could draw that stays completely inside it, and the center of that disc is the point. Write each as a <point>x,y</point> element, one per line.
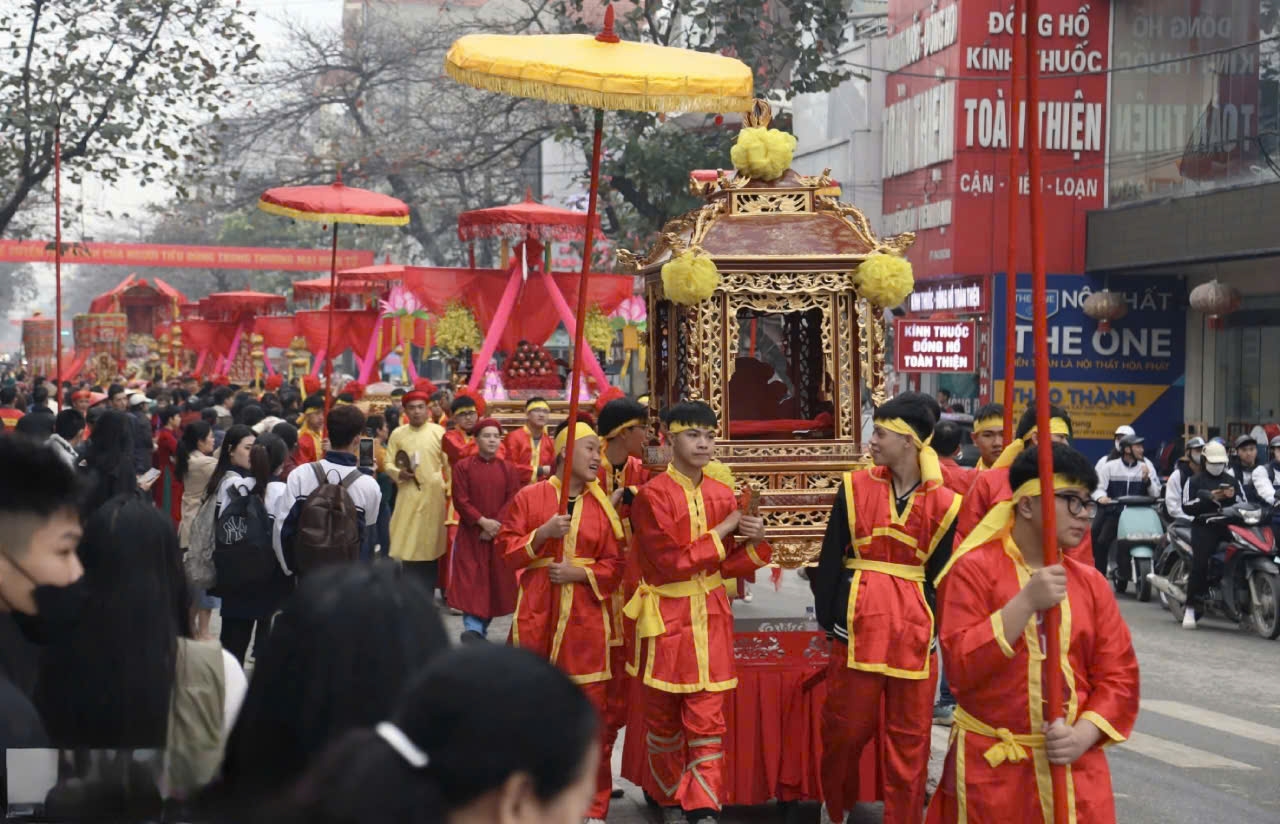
<point>1185,123</point>
<point>926,105</point>
<point>967,296</point>
<point>935,346</point>
<point>1132,374</point>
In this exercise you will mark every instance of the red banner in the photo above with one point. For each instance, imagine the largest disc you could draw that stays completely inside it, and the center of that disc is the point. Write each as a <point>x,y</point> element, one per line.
<point>946,143</point>
<point>935,346</point>
<point>184,257</point>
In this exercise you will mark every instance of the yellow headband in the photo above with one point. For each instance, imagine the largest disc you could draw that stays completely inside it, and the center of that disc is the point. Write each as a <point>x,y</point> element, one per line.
<point>580,430</point>
<point>930,470</point>
<point>1057,426</point>
<point>537,405</point>
<point>676,427</point>
<point>623,427</point>
<point>993,422</point>
<point>999,520</point>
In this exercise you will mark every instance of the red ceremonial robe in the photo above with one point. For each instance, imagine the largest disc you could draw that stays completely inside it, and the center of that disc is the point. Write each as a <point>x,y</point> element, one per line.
<point>684,631</point>
<point>568,624</point>
<point>522,455</point>
<point>310,446</point>
<point>990,488</point>
<point>480,582</point>
<point>999,688</point>
<point>167,491</point>
<point>456,445</point>
<point>955,477</point>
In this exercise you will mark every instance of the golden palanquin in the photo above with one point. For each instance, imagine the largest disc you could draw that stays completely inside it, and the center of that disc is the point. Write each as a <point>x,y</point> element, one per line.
<point>785,350</point>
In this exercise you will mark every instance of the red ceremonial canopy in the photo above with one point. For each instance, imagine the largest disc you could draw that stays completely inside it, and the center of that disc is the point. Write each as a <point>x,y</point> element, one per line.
<point>334,203</point>
<point>277,331</point>
<point>527,219</point>
<point>322,287</point>
<point>230,303</point>
<point>380,273</point>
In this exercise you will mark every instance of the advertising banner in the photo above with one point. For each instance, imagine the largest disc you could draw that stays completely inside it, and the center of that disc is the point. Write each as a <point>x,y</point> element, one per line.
<point>935,346</point>
<point>189,257</point>
<point>1132,374</point>
<point>950,119</point>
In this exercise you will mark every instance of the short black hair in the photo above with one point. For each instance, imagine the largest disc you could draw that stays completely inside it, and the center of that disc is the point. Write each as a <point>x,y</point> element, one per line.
<point>920,411</point>
<point>439,395</point>
<point>1066,461</point>
<point>8,395</point>
<point>209,415</point>
<point>991,410</point>
<point>375,422</point>
<point>621,412</point>
<point>947,437</point>
<point>398,392</point>
<point>532,401</point>
<point>1028,420</point>
<point>252,414</point>
<point>346,424</point>
<point>313,402</point>
<point>221,394</point>
<point>39,395</point>
<point>946,393</point>
<point>461,402</point>
<point>69,423</point>
<point>346,397</point>
<point>115,389</point>
<point>288,433</point>
<point>694,412</point>
<point>36,483</point>
<point>39,427</point>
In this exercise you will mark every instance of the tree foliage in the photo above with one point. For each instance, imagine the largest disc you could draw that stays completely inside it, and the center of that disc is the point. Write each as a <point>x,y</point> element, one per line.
<point>793,46</point>
<point>128,82</point>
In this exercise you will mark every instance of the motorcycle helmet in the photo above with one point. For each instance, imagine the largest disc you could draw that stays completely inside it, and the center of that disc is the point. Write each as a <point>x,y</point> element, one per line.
<point>1245,440</point>
<point>1215,459</point>
<point>1124,431</point>
<point>1195,449</point>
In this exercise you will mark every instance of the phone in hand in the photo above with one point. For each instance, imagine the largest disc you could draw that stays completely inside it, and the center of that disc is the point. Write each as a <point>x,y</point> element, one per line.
<point>366,453</point>
<point>149,476</point>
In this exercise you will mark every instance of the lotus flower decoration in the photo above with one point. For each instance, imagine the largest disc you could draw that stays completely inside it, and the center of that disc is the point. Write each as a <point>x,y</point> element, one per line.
<point>401,303</point>
<point>631,312</point>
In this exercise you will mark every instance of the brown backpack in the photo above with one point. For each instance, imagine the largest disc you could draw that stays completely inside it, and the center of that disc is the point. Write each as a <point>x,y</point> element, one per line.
<point>328,524</point>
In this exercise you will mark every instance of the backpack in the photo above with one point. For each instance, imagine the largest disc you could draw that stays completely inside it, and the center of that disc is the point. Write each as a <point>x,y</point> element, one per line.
<point>328,524</point>
<point>243,556</point>
<point>197,562</point>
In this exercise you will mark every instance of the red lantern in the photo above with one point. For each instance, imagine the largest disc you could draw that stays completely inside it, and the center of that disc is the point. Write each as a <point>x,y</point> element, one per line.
<point>1215,300</point>
<point>1105,307</point>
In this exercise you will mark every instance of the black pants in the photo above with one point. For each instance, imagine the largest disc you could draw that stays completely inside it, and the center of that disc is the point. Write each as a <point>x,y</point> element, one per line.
<point>236,633</point>
<point>1204,542</point>
<point>1104,535</point>
<point>428,572</point>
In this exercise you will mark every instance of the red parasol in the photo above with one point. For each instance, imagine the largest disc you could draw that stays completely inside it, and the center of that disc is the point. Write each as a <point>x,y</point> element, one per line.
<point>323,287</point>
<point>378,273</point>
<point>334,204</point>
<point>234,303</point>
<point>528,219</point>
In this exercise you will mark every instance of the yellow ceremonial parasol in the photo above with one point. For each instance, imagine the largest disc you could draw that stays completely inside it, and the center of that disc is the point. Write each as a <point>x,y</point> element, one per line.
<point>603,72</point>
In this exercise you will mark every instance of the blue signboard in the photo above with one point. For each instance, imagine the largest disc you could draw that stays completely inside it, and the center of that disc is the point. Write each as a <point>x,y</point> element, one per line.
<point>1133,373</point>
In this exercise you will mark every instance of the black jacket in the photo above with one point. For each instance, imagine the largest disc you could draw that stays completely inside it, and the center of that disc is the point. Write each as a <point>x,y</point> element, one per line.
<point>1199,500</point>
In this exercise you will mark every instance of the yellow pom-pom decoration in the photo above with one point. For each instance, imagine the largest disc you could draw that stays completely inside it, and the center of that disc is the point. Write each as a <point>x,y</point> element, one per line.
<point>717,471</point>
<point>690,278</point>
<point>457,330</point>
<point>763,153</point>
<point>598,332</point>
<point>884,280</point>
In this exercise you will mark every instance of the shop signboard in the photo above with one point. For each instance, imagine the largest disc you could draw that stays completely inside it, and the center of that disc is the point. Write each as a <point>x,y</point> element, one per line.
<point>935,345</point>
<point>1132,374</point>
<point>964,296</point>
<point>949,121</point>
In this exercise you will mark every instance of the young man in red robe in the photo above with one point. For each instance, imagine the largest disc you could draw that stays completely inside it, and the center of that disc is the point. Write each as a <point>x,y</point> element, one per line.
<point>571,563</point>
<point>988,435</point>
<point>890,531</point>
<point>458,443</point>
<point>995,593</point>
<point>690,536</point>
<point>311,434</point>
<point>529,449</point>
<point>992,487</point>
<point>482,586</point>
<point>624,430</point>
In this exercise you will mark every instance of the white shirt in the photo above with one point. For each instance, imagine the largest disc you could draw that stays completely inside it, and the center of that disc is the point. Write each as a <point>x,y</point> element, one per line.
<point>243,483</point>
<point>1175,492</point>
<point>1257,477</point>
<point>234,687</point>
<point>1118,471</point>
<point>365,492</point>
<point>274,499</point>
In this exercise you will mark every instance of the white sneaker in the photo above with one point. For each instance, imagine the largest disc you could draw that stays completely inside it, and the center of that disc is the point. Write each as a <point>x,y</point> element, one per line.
<point>1189,619</point>
<point>673,815</point>
<point>824,817</point>
<point>593,821</point>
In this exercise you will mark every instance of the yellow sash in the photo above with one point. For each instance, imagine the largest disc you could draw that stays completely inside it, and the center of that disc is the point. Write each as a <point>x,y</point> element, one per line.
<point>907,572</point>
<point>645,605</point>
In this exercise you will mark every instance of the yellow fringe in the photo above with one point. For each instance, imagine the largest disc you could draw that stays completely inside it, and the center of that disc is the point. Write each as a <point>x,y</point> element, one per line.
<point>329,217</point>
<point>594,98</point>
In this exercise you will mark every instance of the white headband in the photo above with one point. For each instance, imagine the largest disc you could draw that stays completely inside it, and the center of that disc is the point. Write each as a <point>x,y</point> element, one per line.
<point>401,743</point>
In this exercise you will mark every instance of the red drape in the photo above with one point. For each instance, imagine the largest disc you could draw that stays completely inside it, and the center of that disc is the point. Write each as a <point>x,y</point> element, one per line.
<point>208,335</point>
<point>351,330</point>
<point>277,330</point>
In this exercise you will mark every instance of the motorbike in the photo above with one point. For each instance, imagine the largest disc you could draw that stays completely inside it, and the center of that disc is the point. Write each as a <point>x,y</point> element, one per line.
<point>1244,572</point>
<point>1138,535</point>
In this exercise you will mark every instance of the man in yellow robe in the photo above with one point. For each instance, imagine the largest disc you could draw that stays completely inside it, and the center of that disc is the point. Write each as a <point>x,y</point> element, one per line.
<point>417,525</point>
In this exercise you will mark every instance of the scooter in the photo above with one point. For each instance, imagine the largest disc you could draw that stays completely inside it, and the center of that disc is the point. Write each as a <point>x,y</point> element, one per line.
<point>1244,574</point>
<point>1138,535</point>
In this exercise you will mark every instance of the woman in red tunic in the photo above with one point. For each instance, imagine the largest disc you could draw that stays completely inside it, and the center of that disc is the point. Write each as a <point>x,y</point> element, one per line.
<point>167,491</point>
<point>482,586</point>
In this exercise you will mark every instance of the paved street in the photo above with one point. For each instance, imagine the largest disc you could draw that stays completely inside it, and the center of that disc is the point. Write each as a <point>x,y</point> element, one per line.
<point>1207,745</point>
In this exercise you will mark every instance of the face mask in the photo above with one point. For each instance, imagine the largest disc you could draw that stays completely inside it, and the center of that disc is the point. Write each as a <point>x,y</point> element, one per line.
<point>58,610</point>
<point>1215,469</point>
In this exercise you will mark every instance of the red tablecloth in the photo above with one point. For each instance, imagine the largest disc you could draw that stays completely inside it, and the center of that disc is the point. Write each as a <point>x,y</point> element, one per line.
<point>774,745</point>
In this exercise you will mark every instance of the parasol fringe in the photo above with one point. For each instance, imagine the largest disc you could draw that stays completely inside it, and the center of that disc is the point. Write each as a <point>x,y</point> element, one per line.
<point>324,217</point>
<point>593,98</point>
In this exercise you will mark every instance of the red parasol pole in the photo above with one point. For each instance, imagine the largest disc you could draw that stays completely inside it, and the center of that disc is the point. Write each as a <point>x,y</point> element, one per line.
<point>333,299</point>
<point>580,330</point>
<point>1040,334</point>
<point>57,260</point>
<point>1011,264</point>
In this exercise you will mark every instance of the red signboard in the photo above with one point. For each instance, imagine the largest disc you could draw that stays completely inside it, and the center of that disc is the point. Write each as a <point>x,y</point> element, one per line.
<point>935,346</point>
<point>948,124</point>
<point>185,257</point>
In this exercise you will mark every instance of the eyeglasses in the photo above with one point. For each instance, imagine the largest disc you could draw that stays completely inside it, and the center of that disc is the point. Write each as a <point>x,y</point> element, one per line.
<point>1077,505</point>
